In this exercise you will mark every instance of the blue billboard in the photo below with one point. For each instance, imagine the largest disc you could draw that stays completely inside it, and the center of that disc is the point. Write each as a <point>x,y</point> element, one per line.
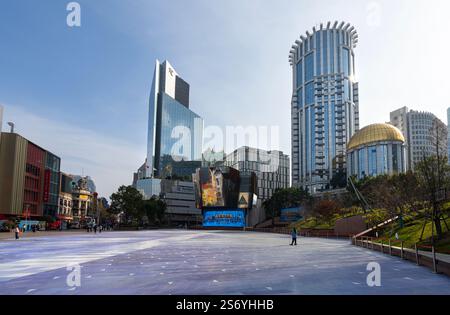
<point>224,218</point>
<point>291,214</point>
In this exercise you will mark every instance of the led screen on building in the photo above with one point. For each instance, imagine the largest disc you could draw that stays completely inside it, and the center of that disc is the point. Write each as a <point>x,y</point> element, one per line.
<point>224,218</point>
<point>218,187</point>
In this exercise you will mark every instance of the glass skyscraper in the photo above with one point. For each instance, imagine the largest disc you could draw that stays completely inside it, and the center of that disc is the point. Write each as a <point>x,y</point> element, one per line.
<point>324,108</point>
<point>175,133</point>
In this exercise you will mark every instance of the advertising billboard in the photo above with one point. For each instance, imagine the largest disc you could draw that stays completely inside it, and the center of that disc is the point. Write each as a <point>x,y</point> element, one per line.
<point>218,187</point>
<point>46,186</point>
<point>224,218</point>
<point>291,214</point>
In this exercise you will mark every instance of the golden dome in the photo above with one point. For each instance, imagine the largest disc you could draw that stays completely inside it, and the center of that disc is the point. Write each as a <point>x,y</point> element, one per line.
<point>375,133</point>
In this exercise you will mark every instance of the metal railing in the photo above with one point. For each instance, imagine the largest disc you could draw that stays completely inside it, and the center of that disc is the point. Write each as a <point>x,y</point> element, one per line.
<point>425,257</point>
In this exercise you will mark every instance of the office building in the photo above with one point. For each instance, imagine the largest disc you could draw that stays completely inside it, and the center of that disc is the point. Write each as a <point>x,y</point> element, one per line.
<point>375,150</point>
<point>420,130</point>
<point>271,168</point>
<point>29,178</point>
<point>325,105</point>
<point>175,133</point>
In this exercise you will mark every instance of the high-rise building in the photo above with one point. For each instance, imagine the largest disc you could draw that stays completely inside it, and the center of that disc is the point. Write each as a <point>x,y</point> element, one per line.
<point>29,178</point>
<point>420,130</point>
<point>271,168</point>
<point>175,133</point>
<point>325,105</point>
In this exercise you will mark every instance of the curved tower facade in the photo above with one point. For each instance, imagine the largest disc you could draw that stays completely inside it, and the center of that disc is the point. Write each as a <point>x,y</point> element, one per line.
<point>324,107</point>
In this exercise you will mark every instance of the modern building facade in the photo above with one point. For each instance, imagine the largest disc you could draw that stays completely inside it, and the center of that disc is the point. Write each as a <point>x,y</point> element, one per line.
<point>271,168</point>
<point>179,197</point>
<point>420,130</point>
<point>175,133</point>
<point>52,182</point>
<point>376,150</point>
<point>65,214</point>
<point>325,105</point>
<point>29,178</point>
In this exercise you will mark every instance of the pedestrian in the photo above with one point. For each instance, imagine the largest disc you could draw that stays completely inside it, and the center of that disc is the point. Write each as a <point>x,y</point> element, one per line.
<point>17,231</point>
<point>100,228</point>
<point>294,236</point>
<point>95,228</point>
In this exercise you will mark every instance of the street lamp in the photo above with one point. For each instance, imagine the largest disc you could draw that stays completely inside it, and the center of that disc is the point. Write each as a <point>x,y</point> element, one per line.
<point>11,124</point>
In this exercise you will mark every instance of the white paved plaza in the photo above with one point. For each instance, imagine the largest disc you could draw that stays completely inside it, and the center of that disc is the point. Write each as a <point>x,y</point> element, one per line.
<point>203,262</point>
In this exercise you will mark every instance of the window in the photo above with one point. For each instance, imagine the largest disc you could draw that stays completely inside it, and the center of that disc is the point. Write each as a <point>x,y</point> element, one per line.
<point>372,161</point>
<point>318,50</point>
<point>309,67</point>
<point>300,98</point>
<point>300,73</point>
<point>309,93</point>
<point>325,52</point>
<point>345,61</point>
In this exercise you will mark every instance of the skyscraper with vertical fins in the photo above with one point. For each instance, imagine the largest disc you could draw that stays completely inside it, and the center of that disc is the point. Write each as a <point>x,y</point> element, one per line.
<point>325,105</point>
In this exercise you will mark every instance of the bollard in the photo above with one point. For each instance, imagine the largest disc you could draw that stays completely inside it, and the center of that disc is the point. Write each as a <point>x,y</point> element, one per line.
<point>390,247</point>
<point>401,252</point>
<point>382,247</point>
<point>434,260</point>
<point>417,255</point>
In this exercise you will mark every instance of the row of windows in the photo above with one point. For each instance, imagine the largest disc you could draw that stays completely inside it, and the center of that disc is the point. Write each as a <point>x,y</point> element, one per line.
<point>33,170</point>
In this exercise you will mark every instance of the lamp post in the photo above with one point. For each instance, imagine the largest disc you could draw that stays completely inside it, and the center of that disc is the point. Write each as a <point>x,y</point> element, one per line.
<point>11,124</point>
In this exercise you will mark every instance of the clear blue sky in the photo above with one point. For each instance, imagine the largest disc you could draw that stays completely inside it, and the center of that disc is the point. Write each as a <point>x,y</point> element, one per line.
<point>82,92</point>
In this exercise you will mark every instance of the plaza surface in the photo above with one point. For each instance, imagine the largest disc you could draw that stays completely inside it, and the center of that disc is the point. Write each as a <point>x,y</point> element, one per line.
<point>203,263</point>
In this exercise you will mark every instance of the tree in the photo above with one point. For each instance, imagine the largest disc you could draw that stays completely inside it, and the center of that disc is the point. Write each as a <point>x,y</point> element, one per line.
<point>154,209</point>
<point>127,201</point>
<point>434,174</point>
<point>326,209</point>
<point>434,177</point>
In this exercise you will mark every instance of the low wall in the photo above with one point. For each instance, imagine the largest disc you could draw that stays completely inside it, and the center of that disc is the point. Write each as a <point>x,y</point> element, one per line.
<point>351,226</point>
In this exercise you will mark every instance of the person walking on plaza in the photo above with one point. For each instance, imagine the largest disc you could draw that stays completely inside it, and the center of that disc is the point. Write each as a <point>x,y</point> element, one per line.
<point>294,236</point>
<point>17,231</point>
<point>95,228</point>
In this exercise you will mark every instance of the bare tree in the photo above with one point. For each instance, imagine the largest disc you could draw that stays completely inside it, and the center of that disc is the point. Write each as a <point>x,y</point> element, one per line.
<point>434,175</point>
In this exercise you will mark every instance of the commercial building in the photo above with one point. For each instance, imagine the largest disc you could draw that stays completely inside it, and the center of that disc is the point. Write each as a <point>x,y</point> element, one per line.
<point>376,150</point>
<point>65,214</point>
<point>227,198</point>
<point>29,178</point>
<point>84,202</point>
<point>420,130</point>
<point>175,133</point>
<point>271,168</point>
<point>179,197</point>
<point>325,105</point>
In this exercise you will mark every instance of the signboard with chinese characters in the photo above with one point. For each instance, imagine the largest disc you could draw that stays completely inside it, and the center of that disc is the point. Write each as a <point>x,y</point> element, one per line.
<point>224,218</point>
